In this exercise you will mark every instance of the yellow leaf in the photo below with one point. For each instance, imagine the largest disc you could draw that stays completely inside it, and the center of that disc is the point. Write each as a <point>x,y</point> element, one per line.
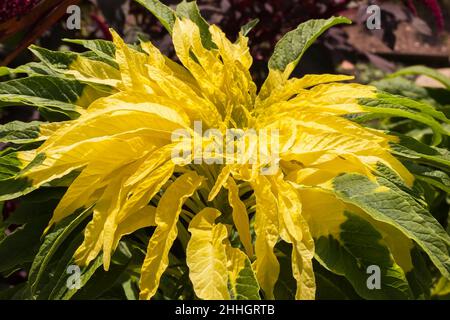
<point>167,213</point>
<point>135,199</point>
<point>220,182</point>
<point>132,65</point>
<point>303,272</point>
<point>266,264</point>
<point>99,72</point>
<point>93,234</point>
<point>206,256</point>
<point>323,212</point>
<point>286,89</point>
<point>58,162</point>
<point>295,230</point>
<point>240,216</point>
<point>144,217</point>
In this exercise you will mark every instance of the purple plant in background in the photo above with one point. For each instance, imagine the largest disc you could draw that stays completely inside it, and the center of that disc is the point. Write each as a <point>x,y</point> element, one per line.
<point>437,13</point>
<point>435,8</point>
<point>14,8</point>
<point>276,17</point>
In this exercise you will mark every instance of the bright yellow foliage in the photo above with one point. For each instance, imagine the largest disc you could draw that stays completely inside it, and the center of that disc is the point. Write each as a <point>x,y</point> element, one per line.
<point>122,147</point>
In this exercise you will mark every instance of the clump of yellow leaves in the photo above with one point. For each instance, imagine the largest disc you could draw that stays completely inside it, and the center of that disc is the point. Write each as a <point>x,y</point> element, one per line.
<point>121,145</point>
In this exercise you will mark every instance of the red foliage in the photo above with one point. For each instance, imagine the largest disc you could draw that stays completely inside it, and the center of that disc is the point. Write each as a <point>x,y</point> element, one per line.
<point>435,8</point>
<point>437,13</point>
<point>14,8</point>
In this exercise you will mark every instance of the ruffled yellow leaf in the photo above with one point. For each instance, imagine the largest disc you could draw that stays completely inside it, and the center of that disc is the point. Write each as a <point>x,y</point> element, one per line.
<point>96,175</point>
<point>132,66</point>
<point>157,60</point>
<point>220,182</point>
<point>94,232</point>
<point>60,161</point>
<point>144,217</point>
<point>206,256</point>
<point>295,230</point>
<point>266,226</point>
<point>292,87</point>
<point>221,74</point>
<point>302,269</point>
<point>135,199</point>
<point>167,213</point>
<point>240,216</point>
<point>93,71</point>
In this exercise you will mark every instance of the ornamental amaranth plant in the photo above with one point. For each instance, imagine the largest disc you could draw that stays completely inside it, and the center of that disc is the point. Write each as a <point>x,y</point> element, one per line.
<point>341,199</point>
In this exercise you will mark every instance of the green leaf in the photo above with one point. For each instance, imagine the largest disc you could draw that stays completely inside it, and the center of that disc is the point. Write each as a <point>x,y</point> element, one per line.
<point>18,292</point>
<point>58,285</point>
<point>419,106</point>
<point>54,59</point>
<point>358,247</point>
<point>419,278</point>
<point>31,68</point>
<point>433,176</point>
<point>19,132</point>
<point>33,214</point>
<point>50,245</point>
<point>163,13</point>
<point>12,184</point>
<point>102,281</point>
<point>285,287</point>
<point>130,289</point>
<point>401,86</point>
<point>384,171</point>
<point>58,61</point>
<point>55,286</point>
<point>16,185</point>
<point>61,61</point>
<point>246,286</point>
<point>19,247</point>
<point>395,207</point>
<point>389,105</point>
<point>190,11</point>
<point>10,166</point>
<point>331,286</point>
<point>35,205</point>
<point>4,71</point>
<point>102,48</point>
<point>55,280</point>
<point>12,188</point>
<point>246,28</point>
<point>56,95</point>
<point>422,70</point>
<point>410,148</point>
<point>293,44</point>
<point>442,287</point>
